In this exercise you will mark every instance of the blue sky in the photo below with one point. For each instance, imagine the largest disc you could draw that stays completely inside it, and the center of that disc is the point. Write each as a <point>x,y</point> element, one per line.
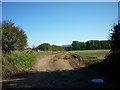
<point>60,23</point>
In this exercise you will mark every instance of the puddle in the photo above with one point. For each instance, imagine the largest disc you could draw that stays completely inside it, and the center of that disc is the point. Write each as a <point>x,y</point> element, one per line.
<point>98,80</point>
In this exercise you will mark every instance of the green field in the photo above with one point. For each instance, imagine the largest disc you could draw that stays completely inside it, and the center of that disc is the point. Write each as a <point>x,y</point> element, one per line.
<point>91,52</point>
<point>91,56</point>
<point>49,52</point>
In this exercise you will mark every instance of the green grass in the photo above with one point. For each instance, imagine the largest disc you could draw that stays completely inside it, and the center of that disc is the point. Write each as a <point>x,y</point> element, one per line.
<point>94,53</point>
<point>90,51</point>
<point>17,61</point>
<point>49,52</point>
<point>91,56</point>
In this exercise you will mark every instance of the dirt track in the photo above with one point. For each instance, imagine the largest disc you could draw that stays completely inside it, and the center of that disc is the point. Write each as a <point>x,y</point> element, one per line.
<point>55,62</point>
<point>59,71</point>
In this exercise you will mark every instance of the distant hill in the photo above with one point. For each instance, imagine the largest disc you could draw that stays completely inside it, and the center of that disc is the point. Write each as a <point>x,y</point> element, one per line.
<point>65,45</point>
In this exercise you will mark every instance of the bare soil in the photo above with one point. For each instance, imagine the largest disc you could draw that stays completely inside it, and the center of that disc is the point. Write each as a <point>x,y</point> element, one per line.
<point>59,71</point>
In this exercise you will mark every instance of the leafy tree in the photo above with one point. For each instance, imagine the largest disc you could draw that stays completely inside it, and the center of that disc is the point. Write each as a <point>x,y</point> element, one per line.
<point>91,45</point>
<point>75,45</point>
<point>82,45</point>
<point>44,47</point>
<point>56,48</point>
<point>48,47</point>
<point>68,48</point>
<point>13,38</point>
<point>112,61</point>
<point>88,47</point>
<point>115,38</point>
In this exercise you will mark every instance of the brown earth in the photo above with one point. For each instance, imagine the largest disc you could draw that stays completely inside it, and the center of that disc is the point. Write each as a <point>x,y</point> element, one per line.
<point>59,71</point>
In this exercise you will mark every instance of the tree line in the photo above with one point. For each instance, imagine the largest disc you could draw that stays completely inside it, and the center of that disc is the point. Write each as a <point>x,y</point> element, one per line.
<point>89,45</point>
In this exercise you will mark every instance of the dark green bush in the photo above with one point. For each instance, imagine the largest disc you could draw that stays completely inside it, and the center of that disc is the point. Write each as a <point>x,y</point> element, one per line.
<point>13,38</point>
<point>48,47</point>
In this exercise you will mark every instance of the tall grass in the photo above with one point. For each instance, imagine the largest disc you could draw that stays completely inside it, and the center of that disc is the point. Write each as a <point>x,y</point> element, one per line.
<point>17,61</point>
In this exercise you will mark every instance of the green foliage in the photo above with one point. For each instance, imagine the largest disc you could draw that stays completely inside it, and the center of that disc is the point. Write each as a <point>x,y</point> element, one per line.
<point>68,48</point>
<point>91,51</point>
<point>90,45</point>
<point>16,61</point>
<point>115,38</point>
<point>110,64</point>
<point>48,47</point>
<point>44,47</point>
<point>112,61</point>
<point>49,52</point>
<point>13,38</point>
<point>56,48</point>
<point>75,45</point>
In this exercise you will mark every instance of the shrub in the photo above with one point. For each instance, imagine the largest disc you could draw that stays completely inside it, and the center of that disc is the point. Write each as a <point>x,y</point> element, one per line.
<point>13,38</point>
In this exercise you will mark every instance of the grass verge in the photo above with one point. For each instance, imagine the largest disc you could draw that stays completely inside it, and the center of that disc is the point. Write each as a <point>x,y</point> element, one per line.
<point>17,61</point>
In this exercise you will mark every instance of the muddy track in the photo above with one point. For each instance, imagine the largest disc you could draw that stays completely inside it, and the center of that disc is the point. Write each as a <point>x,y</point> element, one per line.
<point>58,71</point>
<point>63,61</point>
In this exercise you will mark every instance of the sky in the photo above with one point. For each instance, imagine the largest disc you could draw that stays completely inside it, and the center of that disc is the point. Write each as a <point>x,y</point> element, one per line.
<point>60,23</point>
<point>60,0</point>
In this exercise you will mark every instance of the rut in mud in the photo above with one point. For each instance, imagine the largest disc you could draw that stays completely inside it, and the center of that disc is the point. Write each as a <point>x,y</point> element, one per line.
<point>58,71</point>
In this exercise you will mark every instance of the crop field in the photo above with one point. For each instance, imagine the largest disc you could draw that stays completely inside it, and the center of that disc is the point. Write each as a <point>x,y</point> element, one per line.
<point>101,53</point>
<point>91,56</point>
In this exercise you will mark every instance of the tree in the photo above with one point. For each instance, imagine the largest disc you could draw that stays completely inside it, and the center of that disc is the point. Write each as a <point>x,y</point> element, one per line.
<point>88,47</point>
<point>44,47</point>
<point>75,45</point>
<point>56,48</point>
<point>68,48</point>
<point>115,38</point>
<point>82,45</point>
<point>13,38</point>
<point>112,61</point>
<point>48,47</point>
